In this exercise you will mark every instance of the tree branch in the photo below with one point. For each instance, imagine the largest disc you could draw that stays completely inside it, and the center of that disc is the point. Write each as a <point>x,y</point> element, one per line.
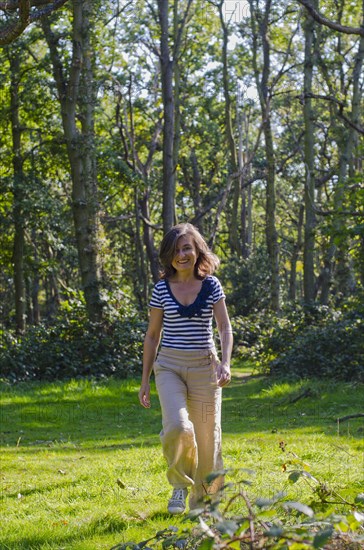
<point>25,16</point>
<point>340,112</point>
<point>349,417</point>
<point>317,16</point>
<point>13,5</point>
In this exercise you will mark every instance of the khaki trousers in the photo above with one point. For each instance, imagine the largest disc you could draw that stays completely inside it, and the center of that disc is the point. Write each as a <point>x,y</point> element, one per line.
<point>191,416</point>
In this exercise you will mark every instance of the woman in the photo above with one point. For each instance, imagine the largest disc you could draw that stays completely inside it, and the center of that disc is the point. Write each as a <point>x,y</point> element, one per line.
<point>188,375</point>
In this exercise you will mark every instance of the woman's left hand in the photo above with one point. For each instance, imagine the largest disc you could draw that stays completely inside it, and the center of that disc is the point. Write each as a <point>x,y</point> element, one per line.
<point>223,375</point>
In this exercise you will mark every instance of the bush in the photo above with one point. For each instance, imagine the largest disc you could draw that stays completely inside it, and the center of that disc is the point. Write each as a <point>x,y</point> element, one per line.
<point>335,350</point>
<point>73,347</point>
<point>246,282</point>
<point>302,342</point>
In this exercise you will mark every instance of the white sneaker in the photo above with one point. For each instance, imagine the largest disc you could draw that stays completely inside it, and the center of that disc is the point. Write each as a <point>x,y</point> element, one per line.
<point>177,502</point>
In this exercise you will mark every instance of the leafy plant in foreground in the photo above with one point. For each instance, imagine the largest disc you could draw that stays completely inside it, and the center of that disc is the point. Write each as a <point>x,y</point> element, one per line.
<point>235,520</point>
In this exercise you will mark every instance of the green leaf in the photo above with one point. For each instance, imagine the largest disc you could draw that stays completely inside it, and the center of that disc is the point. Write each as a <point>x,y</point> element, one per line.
<point>243,527</point>
<point>322,537</point>
<point>303,508</point>
<point>206,544</point>
<point>294,476</point>
<point>267,514</point>
<point>205,528</point>
<point>262,502</point>
<point>275,531</point>
<point>214,475</point>
<point>227,527</point>
<point>236,545</point>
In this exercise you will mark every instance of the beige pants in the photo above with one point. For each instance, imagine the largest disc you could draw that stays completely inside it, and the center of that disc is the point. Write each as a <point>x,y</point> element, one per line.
<point>191,415</point>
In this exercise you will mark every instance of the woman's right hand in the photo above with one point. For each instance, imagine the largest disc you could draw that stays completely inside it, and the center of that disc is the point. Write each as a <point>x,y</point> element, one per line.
<point>144,395</point>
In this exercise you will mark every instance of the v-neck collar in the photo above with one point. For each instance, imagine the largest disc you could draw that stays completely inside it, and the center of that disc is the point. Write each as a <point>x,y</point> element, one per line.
<point>175,299</point>
<point>200,303</point>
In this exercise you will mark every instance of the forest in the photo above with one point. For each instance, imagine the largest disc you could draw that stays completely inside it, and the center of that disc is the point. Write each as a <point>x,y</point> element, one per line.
<point>119,119</point>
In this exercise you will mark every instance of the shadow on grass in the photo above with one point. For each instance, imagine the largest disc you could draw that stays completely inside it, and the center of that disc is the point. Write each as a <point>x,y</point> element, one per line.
<point>261,404</point>
<point>103,526</point>
<point>106,415</point>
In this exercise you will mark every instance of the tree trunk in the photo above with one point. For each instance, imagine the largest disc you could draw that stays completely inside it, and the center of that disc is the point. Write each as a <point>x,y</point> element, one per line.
<point>262,81</point>
<point>292,292</point>
<point>140,281</point>
<point>233,161</point>
<point>343,276</point>
<point>196,187</point>
<point>271,231</point>
<point>19,189</point>
<point>169,191</point>
<point>246,193</point>
<point>79,92</point>
<point>35,282</point>
<point>176,98</point>
<point>310,221</point>
<point>148,239</point>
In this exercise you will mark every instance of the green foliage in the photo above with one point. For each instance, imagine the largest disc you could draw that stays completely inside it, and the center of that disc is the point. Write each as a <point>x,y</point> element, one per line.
<point>335,350</point>
<point>234,518</point>
<point>73,347</point>
<point>246,283</point>
<point>304,342</point>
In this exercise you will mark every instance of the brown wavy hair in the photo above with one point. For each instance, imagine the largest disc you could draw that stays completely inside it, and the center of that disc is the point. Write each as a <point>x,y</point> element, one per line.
<point>206,262</point>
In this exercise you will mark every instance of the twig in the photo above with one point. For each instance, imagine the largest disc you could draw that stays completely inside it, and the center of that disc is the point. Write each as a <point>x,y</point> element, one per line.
<point>349,416</point>
<point>306,393</point>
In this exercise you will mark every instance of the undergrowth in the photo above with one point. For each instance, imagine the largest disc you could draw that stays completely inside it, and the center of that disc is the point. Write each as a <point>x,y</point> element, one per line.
<point>235,520</point>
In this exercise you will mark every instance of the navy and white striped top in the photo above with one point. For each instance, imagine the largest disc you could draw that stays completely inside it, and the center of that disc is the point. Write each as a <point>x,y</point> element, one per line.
<point>187,327</point>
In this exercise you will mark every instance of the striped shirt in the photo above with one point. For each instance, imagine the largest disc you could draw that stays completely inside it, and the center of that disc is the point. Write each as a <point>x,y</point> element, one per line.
<point>187,327</point>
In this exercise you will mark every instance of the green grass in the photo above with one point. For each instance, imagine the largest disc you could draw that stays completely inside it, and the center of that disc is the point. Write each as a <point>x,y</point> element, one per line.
<point>65,445</point>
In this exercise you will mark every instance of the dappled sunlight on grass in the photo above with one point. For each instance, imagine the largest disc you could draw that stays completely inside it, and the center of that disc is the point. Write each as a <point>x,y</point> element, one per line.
<point>82,465</point>
<point>76,412</point>
<point>262,404</point>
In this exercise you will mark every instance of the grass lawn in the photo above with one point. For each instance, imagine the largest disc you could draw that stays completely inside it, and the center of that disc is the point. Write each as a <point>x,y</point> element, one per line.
<point>82,467</point>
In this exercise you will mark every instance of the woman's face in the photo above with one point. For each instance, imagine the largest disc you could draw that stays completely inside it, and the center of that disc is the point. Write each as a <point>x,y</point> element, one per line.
<point>186,254</point>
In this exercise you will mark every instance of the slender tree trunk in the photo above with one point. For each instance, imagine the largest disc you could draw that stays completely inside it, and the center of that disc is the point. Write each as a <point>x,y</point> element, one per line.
<point>340,276</point>
<point>271,231</point>
<point>292,292</point>
<point>262,82</point>
<point>35,282</point>
<point>176,97</point>
<point>148,239</point>
<point>87,220</point>
<point>77,100</point>
<point>249,229</point>
<point>143,171</point>
<point>19,190</point>
<point>140,283</point>
<point>310,220</point>
<point>195,188</point>
<point>169,191</point>
<point>344,279</point>
<point>170,76</point>
<point>246,192</point>
<point>361,260</point>
<point>233,161</point>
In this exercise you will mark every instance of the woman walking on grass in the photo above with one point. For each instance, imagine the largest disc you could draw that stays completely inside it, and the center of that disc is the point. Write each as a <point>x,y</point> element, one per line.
<point>188,374</point>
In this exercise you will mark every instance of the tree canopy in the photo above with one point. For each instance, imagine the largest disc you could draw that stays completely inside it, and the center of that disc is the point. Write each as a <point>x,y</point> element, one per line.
<point>120,118</point>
